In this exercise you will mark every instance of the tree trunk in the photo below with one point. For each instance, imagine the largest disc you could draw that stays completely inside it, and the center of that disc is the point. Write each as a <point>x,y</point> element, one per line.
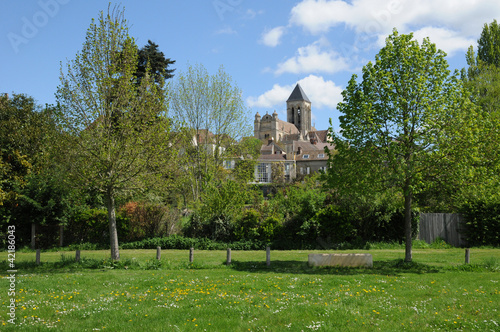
<point>408,239</point>
<point>113,231</point>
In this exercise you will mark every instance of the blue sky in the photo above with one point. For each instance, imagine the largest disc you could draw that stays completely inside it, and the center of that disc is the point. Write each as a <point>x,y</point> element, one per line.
<point>266,46</point>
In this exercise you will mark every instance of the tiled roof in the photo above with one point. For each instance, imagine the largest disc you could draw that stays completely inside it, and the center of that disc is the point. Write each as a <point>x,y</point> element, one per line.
<point>272,157</point>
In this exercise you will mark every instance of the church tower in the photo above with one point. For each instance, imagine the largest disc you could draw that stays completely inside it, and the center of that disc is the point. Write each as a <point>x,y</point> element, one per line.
<point>298,110</point>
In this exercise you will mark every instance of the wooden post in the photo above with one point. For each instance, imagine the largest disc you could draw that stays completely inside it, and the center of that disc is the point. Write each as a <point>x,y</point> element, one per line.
<point>228,260</point>
<point>61,235</point>
<point>467,256</point>
<point>33,231</point>
<point>268,256</point>
<point>38,257</point>
<point>158,253</point>
<point>191,255</point>
<point>77,255</point>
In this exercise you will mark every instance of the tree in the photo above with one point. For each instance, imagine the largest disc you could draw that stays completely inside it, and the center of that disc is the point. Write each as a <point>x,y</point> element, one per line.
<point>482,78</point>
<point>488,45</point>
<point>400,125</point>
<point>117,130</point>
<point>150,56</point>
<point>211,115</point>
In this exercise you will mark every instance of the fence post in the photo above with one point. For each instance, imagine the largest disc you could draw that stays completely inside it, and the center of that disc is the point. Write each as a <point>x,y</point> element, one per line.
<point>61,235</point>
<point>268,256</point>
<point>228,260</point>
<point>77,255</point>
<point>38,257</point>
<point>33,232</point>
<point>158,253</point>
<point>467,256</point>
<point>191,255</point>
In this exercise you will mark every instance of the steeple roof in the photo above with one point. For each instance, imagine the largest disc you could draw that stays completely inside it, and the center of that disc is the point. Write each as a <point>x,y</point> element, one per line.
<point>298,94</point>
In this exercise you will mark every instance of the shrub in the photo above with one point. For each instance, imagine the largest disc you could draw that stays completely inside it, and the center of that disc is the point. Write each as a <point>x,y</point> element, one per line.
<point>92,226</point>
<point>482,223</point>
<point>147,220</point>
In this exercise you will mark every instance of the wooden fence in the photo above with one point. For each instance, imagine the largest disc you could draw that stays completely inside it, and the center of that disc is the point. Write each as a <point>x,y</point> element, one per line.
<point>444,225</point>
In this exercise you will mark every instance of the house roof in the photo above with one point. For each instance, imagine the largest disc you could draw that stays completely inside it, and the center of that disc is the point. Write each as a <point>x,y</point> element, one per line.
<point>298,94</point>
<point>320,135</point>
<point>272,157</point>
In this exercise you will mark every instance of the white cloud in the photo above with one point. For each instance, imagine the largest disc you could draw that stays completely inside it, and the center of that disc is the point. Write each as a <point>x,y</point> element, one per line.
<point>272,37</point>
<point>321,93</point>
<point>446,40</point>
<point>455,19</point>
<point>312,59</point>
<point>276,96</point>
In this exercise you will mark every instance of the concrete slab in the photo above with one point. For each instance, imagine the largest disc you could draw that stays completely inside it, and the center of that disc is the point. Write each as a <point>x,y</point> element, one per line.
<point>352,260</point>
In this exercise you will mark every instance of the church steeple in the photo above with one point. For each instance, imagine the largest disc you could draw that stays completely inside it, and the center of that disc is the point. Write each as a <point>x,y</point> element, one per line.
<point>299,110</point>
<point>298,94</point>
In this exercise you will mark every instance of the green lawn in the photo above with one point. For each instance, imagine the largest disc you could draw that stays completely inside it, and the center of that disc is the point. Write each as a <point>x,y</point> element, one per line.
<point>437,292</point>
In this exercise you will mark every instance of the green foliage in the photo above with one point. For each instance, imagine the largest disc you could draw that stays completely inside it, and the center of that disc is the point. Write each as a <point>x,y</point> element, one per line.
<point>151,57</point>
<point>335,224</point>
<point>185,243</point>
<point>401,125</point>
<point>117,131</point>
<point>488,48</point>
<point>92,226</point>
<point>247,227</point>
<point>482,223</point>
<point>210,117</point>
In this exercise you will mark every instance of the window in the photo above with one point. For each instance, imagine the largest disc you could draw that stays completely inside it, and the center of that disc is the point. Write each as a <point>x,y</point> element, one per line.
<point>323,168</point>
<point>321,155</point>
<point>308,170</point>
<point>306,156</point>
<point>228,164</point>
<point>262,170</point>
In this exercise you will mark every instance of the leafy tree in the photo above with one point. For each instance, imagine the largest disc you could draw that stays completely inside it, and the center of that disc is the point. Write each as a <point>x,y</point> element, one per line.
<point>117,131</point>
<point>401,125</point>
<point>488,45</point>
<point>211,115</point>
<point>25,129</point>
<point>482,78</point>
<point>151,57</point>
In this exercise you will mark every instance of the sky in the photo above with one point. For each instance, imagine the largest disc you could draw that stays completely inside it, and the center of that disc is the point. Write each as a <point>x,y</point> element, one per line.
<point>267,47</point>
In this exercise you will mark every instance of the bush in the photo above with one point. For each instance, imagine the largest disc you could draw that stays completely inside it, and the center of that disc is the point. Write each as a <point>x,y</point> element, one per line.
<point>482,223</point>
<point>92,226</point>
<point>147,220</point>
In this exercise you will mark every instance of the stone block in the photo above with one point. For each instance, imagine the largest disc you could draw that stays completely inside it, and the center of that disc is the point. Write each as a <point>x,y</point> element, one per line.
<point>351,260</point>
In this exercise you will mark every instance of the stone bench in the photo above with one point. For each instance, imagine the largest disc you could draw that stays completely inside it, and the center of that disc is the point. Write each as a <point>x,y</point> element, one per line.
<point>351,260</point>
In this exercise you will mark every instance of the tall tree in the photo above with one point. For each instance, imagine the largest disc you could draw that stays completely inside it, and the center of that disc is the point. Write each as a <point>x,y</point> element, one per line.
<point>211,115</point>
<point>482,79</point>
<point>150,56</point>
<point>488,45</point>
<point>117,130</point>
<point>399,124</point>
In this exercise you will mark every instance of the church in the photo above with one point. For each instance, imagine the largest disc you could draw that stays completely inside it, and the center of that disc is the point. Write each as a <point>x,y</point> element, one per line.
<point>295,142</point>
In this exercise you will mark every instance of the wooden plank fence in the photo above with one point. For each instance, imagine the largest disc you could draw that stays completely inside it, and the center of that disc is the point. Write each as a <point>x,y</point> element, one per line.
<point>444,225</point>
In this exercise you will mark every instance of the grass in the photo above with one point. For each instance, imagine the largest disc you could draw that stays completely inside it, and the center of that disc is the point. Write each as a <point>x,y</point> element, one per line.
<point>435,292</point>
